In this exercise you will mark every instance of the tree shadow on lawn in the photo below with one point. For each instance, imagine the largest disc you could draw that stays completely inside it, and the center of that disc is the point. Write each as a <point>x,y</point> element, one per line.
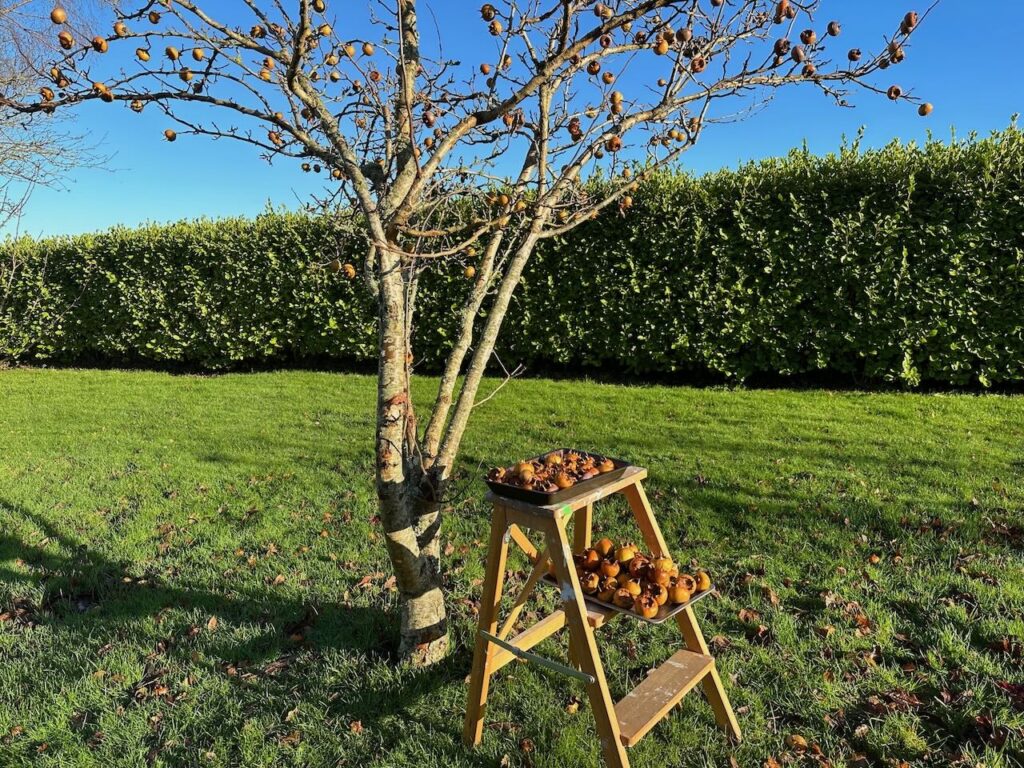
<point>92,602</point>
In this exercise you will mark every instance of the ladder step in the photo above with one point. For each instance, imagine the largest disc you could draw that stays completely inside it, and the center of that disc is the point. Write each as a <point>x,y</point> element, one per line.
<point>644,706</point>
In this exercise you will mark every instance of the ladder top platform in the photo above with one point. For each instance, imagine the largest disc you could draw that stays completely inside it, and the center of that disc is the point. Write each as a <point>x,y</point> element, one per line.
<point>631,476</point>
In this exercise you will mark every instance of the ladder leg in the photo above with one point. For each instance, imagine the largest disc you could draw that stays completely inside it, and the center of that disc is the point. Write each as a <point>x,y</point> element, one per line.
<point>687,621</point>
<point>583,648</point>
<point>480,677</point>
<point>713,688</point>
<point>583,520</point>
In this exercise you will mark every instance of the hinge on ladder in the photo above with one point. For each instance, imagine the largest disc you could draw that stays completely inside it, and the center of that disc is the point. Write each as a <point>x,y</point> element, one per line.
<point>540,661</point>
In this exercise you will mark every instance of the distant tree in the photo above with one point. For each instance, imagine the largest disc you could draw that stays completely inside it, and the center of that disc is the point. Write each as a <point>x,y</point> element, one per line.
<point>580,99</point>
<point>35,150</point>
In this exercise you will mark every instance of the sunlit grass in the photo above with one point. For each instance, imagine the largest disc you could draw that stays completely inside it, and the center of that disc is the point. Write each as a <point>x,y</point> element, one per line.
<point>137,507</point>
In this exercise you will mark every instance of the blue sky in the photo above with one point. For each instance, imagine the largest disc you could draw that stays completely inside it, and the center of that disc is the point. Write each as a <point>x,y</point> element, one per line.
<point>964,61</point>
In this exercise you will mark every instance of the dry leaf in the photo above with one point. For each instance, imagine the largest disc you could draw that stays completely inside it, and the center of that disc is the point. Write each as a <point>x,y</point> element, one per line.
<point>749,616</point>
<point>356,726</point>
<point>279,580</point>
<point>211,625</point>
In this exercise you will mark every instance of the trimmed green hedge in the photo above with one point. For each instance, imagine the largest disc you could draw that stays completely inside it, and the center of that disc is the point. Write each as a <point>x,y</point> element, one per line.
<point>900,264</point>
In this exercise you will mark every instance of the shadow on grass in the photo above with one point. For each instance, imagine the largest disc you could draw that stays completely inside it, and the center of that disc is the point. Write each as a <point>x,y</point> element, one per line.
<point>92,601</point>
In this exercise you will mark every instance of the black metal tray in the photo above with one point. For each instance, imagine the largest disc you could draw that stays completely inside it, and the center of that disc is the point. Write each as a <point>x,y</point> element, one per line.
<point>556,497</point>
<point>665,612</point>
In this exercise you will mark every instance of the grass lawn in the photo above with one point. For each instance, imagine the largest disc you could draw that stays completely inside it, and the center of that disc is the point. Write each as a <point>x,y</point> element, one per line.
<point>191,574</point>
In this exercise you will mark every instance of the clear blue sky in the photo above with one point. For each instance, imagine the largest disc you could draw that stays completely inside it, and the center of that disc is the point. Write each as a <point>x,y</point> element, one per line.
<point>147,179</point>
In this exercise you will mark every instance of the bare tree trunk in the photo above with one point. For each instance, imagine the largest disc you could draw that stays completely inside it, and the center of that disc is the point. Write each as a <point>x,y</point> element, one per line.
<point>408,517</point>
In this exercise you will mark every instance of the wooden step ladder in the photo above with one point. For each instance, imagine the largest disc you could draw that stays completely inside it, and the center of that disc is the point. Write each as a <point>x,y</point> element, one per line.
<point>619,725</point>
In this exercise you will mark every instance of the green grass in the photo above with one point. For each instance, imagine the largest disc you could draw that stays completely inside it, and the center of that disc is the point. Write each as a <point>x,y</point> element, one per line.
<point>135,507</point>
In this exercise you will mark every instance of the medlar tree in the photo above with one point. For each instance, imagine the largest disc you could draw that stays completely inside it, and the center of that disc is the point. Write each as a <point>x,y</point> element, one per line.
<point>435,160</point>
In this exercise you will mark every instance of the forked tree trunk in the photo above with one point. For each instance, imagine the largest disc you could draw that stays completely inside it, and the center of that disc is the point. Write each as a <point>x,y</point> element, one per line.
<point>408,514</point>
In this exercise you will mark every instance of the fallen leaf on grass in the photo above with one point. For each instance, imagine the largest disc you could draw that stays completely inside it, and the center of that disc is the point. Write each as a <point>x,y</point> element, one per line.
<point>1015,691</point>
<point>993,734</point>
<point>211,625</point>
<point>749,616</point>
<point>356,726</point>
<point>1006,645</point>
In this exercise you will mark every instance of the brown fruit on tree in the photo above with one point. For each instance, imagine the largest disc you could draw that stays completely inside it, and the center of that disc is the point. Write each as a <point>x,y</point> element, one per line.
<point>142,53</point>
<point>488,12</point>
<point>368,49</point>
<point>910,20</point>
<point>137,106</point>
<point>834,28</point>
<point>46,93</point>
<point>495,28</point>
<point>66,40</point>
<point>808,37</point>
<point>349,271</point>
<point>172,53</point>
<point>797,54</point>
<point>698,64</point>
<point>661,47</point>
<point>170,135</point>
<point>925,109</point>
<point>58,15</point>
<point>198,54</point>
<point>613,144</point>
<point>154,17</point>
<point>894,92</point>
<point>120,29</point>
<point>854,54</point>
